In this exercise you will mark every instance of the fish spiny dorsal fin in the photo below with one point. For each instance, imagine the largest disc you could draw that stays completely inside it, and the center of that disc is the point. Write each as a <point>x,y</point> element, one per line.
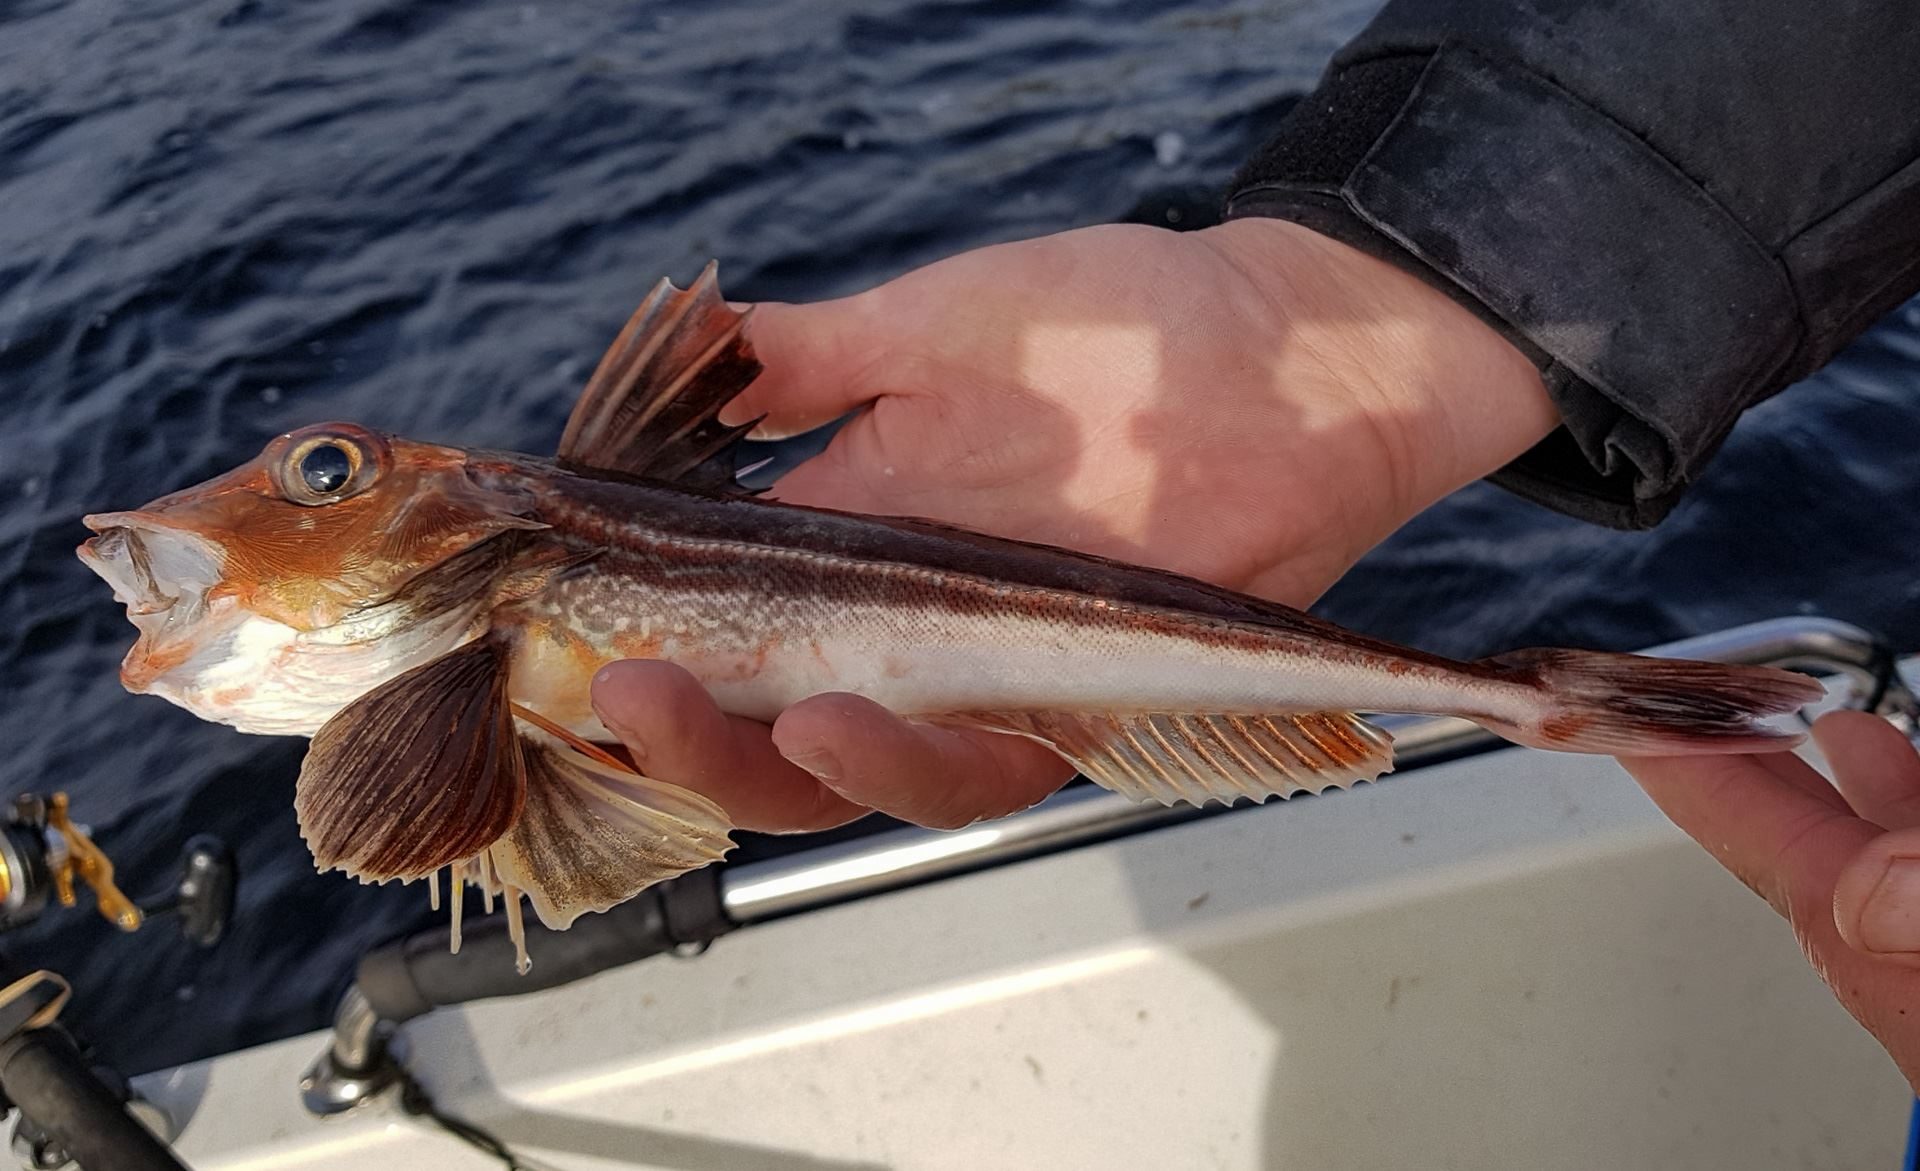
<point>420,772</point>
<point>652,406</point>
<point>1171,758</point>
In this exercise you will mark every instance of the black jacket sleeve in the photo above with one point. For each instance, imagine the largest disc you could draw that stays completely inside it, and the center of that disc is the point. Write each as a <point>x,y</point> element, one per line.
<point>1675,207</point>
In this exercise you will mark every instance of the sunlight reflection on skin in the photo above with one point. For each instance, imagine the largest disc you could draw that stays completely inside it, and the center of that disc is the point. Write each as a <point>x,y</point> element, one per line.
<point>1118,492</point>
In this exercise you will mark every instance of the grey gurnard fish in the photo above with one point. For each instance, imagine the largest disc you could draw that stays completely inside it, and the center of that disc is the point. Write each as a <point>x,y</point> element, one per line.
<point>432,618</point>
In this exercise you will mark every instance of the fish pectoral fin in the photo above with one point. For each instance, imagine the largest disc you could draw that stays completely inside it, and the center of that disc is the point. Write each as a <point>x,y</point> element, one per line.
<point>652,406</point>
<point>592,834</point>
<point>1196,758</point>
<point>423,771</point>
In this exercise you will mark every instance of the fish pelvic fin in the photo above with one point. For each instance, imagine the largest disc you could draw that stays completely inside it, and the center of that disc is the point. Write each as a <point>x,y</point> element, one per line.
<point>1196,758</point>
<point>652,406</point>
<point>1635,705</point>
<point>420,772</point>
<point>594,833</point>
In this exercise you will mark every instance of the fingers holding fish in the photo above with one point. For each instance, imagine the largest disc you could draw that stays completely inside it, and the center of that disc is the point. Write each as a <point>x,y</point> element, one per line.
<point>819,361</point>
<point>826,761</point>
<point>962,317</point>
<point>1876,975</point>
<point>1772,832</point>
<point>1876,900</point>
<point>1874,767</point>
<point>1789,835</point>
<point>944,778</point>
<point>675,733</point>
<point>1846,884</point>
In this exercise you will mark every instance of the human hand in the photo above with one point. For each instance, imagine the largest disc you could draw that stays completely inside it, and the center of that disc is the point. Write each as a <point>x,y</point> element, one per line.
<point>1253,404</point>
<point>1840,861</point>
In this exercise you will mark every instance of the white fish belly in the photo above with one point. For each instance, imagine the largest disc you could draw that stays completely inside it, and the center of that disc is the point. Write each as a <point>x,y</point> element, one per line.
<point>932,663</point>
<point>758,653</point>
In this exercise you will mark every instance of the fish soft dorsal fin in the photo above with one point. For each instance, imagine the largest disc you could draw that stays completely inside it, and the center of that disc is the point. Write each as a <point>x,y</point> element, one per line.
<point>593,833</point>
<point>1171,758</point>
<point>652,406</point>
<point>421,772</point>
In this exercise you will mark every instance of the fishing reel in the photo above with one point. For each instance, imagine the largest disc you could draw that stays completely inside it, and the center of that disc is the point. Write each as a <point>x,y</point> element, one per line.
<point>71,1109</point>
<point>45,857</point>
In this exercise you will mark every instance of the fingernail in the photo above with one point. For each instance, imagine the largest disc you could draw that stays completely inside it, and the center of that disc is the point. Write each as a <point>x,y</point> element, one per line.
<point>610,683</point>
<point>818,761</point>
<point>608,693</point>
<point>1890,920</point>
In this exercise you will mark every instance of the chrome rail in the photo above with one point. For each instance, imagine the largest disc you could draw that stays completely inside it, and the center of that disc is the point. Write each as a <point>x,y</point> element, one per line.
<point>1082,815</point>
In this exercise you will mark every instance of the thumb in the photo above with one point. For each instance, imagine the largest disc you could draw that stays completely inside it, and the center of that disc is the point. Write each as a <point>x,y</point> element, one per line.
<point>1877,899</point>
<point>819,360</point>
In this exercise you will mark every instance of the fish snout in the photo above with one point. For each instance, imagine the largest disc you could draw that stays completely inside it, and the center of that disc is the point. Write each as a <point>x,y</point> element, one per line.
<point>150,566</point>
<point>120,558</point>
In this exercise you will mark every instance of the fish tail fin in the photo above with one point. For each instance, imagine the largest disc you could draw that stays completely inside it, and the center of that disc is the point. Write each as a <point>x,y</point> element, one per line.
<point>1634,705</point>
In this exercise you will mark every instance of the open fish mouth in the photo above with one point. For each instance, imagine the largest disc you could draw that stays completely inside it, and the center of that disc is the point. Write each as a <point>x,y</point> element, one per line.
<point>120,557</point>
<point>152,567</point>
<point>162,575</point>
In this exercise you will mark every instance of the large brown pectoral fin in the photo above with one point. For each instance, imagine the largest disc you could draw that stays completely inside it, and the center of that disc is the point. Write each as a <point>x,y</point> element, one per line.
<point>1171,758</point>
<point>421,772</point>
<point>652,406</point>
<point>591,835</point>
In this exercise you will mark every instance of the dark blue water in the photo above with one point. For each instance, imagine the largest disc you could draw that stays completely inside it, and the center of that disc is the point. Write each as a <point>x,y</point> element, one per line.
<point>220,220</point>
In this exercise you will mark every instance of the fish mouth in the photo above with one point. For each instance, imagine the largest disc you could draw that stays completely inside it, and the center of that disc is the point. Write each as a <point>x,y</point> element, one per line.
<point>152,566</point>
<point>120,557</point>
<point>162,574</point>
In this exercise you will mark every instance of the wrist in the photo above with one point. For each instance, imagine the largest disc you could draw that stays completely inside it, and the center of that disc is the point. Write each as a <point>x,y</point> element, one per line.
<point>1453,399</point>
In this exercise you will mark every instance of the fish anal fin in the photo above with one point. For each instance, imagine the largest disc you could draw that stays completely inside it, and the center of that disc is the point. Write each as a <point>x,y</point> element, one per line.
<point>592,834</point>
<point>1195,758</point>
<point>420,772</point>
<point>652,406</point>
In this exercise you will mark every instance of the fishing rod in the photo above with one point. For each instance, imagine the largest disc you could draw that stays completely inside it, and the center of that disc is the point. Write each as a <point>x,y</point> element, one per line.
<point>72,1110</point>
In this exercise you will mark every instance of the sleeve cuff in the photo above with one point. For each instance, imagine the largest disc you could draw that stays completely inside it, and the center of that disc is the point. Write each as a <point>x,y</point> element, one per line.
<point>1654,316</point>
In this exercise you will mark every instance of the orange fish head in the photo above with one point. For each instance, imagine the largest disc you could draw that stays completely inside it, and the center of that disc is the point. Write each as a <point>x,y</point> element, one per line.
<point>326,522</point>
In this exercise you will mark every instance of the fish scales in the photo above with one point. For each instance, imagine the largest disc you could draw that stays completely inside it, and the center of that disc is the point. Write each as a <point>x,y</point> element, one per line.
<point>827,602</point>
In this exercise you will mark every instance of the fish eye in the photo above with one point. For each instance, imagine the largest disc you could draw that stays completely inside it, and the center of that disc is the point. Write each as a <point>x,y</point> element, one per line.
<point>326,465</point>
